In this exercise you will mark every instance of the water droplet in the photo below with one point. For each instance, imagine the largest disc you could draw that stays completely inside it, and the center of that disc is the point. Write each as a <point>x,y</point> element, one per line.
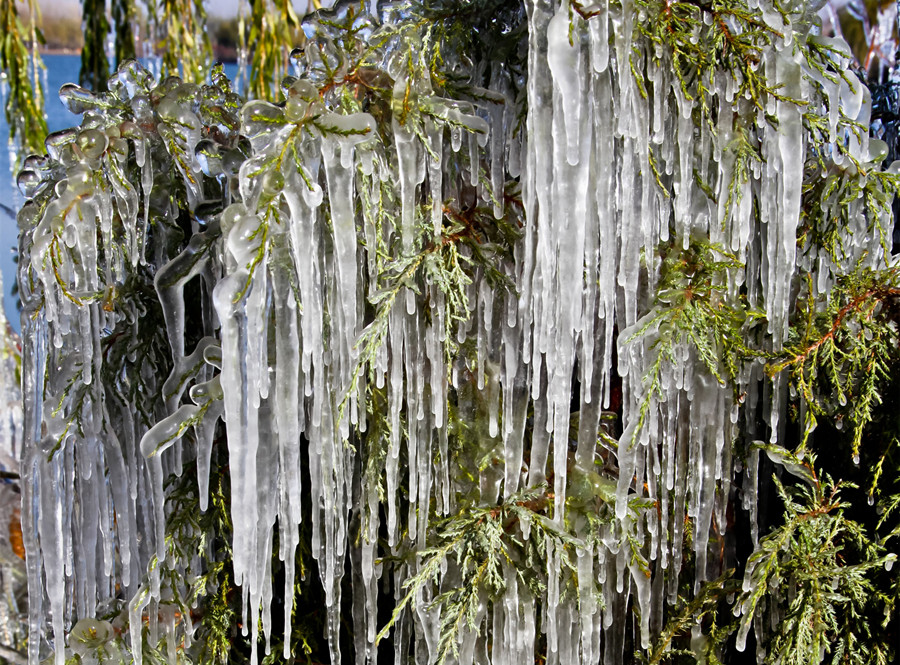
<point>56,142</point>
<point>272,182</point>
<point>36,162</point>
<point>77,99</point>
<point>856,459</point>
<point>93,143</point>
<point>295,108</point>
<point>28,183</point>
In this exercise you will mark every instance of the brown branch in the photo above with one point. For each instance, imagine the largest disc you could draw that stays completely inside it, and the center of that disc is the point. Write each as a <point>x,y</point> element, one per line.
<point>585,13</point>
<point>853,305</point>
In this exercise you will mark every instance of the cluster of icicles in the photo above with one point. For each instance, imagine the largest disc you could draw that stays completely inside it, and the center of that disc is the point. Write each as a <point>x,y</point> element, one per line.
<point>11,568</point>
<point>288,267</point>
<point>10,396</point>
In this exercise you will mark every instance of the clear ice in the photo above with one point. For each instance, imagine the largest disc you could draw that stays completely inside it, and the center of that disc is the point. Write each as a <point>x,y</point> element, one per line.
<point>324,223</point>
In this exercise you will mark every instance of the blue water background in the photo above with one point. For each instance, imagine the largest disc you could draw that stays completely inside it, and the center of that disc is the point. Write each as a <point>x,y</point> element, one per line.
<point>61,69</point>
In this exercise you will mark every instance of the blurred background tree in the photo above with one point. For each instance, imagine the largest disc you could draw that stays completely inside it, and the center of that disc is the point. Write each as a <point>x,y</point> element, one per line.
<point>180,34</point>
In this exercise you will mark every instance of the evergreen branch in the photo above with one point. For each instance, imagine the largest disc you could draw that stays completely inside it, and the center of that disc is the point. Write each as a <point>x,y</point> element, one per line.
<point>814,550</point>
<point>481,542</point>
<point>692,613</point>
<point>690,310</point>
<point>845,353</point>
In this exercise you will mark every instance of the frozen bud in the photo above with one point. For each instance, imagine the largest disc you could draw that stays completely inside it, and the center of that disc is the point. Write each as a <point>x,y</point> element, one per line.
<point>212,355</point>
<point>88,635</point>
<point>94,119</point>
<point>364,25</point>
<point>164,88</point>
<point>375,78</point>
<point>324,59</point>
<point>80,180</point>
<point>180,115</point>
<point>303,101</point>
<point>212,95</point>
<point>36,162</point>
<point>231,161</point>
<point>303,89</point>
<point>134,78</point>
<point>187,94</point>
<point>129,130</point>
<point>118,146</point>
<point>28,216</point>
<point>142,109</point>
<point>244,239</point>
<point>878,150</point>
<point>313,195</point>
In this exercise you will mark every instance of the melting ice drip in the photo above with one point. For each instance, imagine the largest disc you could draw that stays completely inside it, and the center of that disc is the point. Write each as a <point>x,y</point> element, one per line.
<point>308,199</point>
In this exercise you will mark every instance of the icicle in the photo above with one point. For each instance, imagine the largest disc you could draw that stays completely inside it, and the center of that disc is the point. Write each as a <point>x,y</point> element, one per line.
<point>435,178</point>
<point>564,60</point>
<point>236,297</point>
<point>407,155</point>
<point>50,528</point>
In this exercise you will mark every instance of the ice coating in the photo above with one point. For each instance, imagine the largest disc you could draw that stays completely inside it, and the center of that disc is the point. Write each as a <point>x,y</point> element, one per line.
<point>11,424</point>
<point>316,238</point>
